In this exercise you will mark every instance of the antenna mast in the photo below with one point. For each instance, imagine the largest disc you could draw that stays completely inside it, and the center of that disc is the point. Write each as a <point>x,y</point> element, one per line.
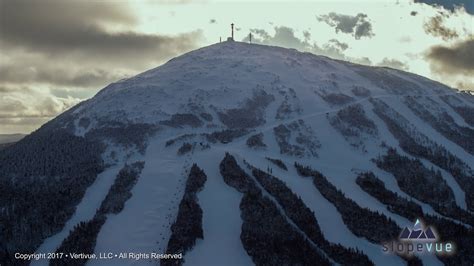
<point>232,30</point>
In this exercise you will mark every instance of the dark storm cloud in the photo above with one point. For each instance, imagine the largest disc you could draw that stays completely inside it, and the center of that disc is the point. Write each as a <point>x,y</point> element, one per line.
<point>21,73</point>
<point>450,4</point>
<point>357,25</point>
<point>79,30</point>
<point>70,49</point>
<point>457,59</point>
<point>11,106</point>
<point>363,29</point>
<point>9,89</point>
<point>435,27</point>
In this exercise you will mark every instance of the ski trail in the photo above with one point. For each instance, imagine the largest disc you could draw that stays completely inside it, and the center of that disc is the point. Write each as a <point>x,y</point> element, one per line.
<point>221,219</point>
<point>85,210</point>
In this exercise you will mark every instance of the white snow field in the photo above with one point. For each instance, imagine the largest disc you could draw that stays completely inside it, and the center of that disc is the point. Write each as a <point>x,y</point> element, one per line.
<point>215,88</point>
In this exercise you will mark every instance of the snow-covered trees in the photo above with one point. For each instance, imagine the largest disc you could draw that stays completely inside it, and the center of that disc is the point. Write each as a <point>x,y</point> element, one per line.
<point>82,238</point>
<point>336,98</point>
<point>466,112</point>
<point>447,229</point>
<point>126,135</point>
<point>181,120</point>
<point>423,184</point>
<point>396,204</point>
<point>354,125</point>
<point>305,220</point>
<point>266,235</point>
<point>296,139</point>
<point>388,80</point>
<point>188,225</point>
<point>269,239</point>
<point>185,148</point>
<point>360,91</point>
<point>120,191</point>
<point>417,144</point>
<point>432,113</point>
<point>234,176</point>
<point>256,141</point>
<point>225,136</point>
<point>250,114</point>
<point>362,222</point>
<point>278,163</point>
<point>42,179</point>
<point>416,180</point>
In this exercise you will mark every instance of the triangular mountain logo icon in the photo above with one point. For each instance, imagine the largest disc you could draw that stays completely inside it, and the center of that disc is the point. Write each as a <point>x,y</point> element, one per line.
<point>418,232</point>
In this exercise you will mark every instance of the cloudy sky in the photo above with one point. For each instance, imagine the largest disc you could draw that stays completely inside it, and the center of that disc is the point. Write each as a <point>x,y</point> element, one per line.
<point>56,53</point>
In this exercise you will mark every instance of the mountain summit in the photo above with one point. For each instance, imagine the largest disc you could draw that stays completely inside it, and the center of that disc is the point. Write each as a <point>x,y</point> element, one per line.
<point>243,154</point>
<point>226,75</point>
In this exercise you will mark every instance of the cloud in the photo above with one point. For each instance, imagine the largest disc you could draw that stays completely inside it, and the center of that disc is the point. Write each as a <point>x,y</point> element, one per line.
<point>12,102</point>
<point>24,108</point>
<point>435,27</point>
<point>307,35</point>
<point>81,30</point>
<point>341,45</point>
<point>454,64</point>
<point>465,85</point>
<point>362,61</point>
<point>55,53</point>
<point>451,5</point>
<point>285,37</point>
<point>174,2</point>
<point>33,72</point>
<point>358,26</point>
<point>405,39</point>
<point>265,37</point>
<point>393,63</point>
<point>455,59</point>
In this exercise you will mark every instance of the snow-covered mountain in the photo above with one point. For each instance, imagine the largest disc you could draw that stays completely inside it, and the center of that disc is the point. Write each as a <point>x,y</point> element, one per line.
<point>242,154</point>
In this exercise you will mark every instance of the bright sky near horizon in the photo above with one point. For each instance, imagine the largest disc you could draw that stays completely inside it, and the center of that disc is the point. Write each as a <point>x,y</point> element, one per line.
<point>56,53</point>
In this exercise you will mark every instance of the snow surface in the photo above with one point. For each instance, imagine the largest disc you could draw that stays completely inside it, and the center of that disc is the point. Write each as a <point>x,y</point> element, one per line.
<point>221,219</point>
<point>85,211</point>
<point>144,223</point>
<point>221,77</point>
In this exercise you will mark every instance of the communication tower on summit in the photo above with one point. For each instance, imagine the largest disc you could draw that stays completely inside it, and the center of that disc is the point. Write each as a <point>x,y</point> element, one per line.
<point>232,30</point>
<point>231,33</point>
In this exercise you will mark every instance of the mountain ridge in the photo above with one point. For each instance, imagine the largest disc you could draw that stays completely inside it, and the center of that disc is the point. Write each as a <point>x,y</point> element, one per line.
<point>250,102</point>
